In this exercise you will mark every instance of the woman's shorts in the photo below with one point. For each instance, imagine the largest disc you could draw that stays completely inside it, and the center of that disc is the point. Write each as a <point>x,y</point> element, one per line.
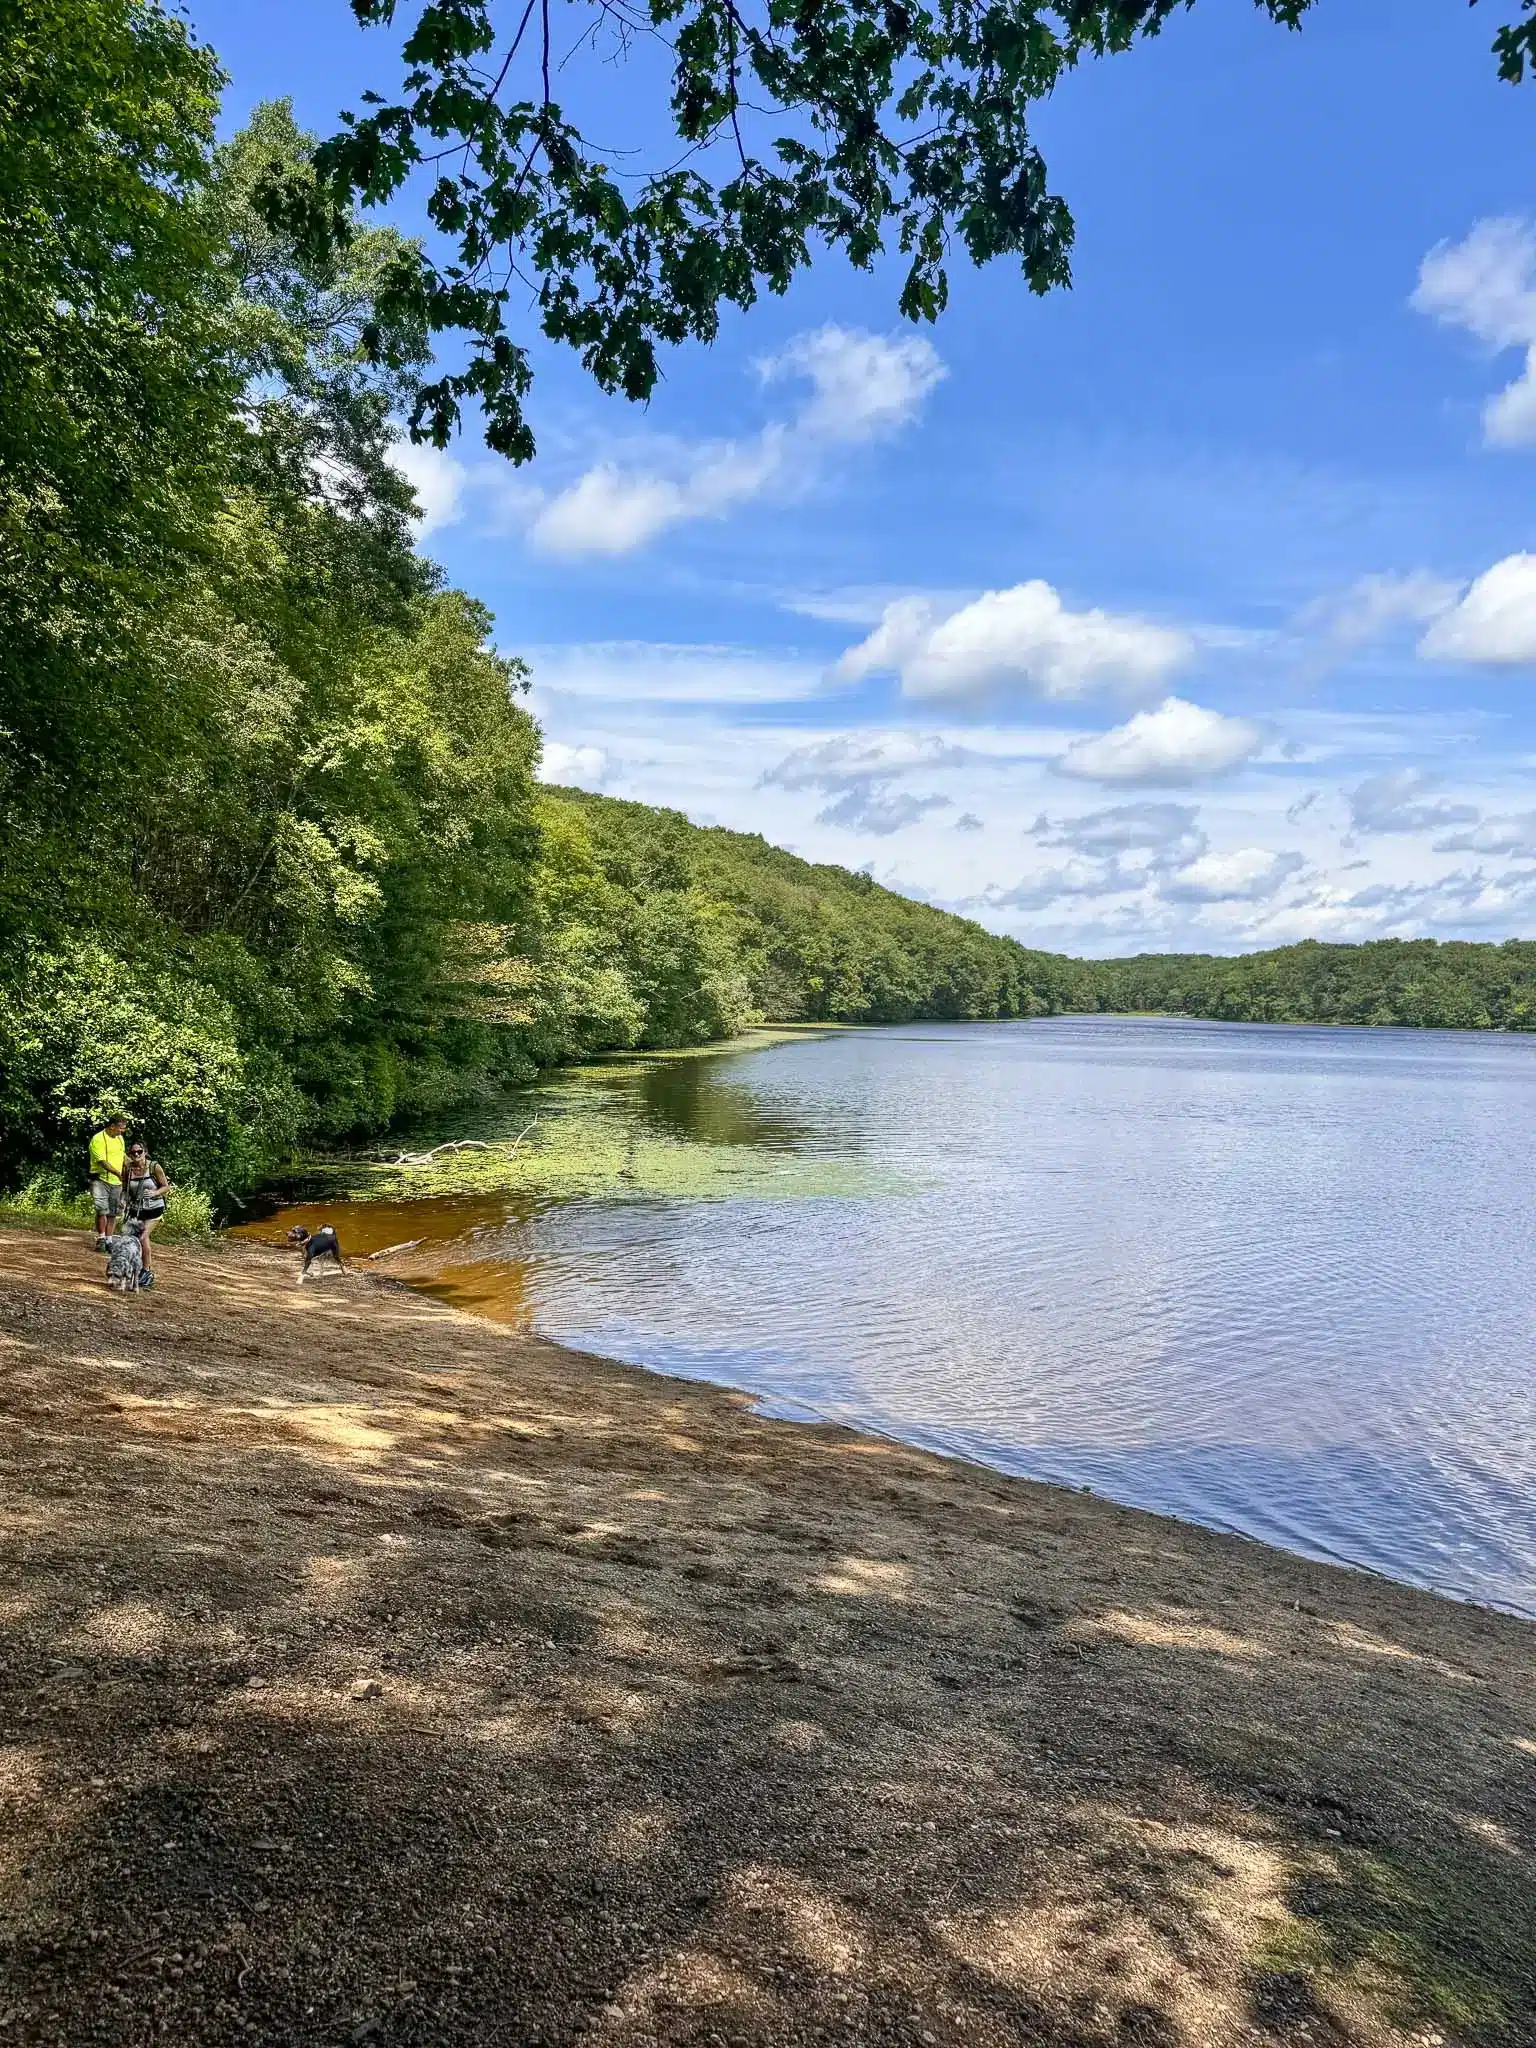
<point>148,1215</point>
<point>108,1199</point>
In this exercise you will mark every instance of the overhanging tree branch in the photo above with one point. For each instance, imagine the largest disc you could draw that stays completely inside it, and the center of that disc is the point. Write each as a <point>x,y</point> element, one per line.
<point>872,124</point>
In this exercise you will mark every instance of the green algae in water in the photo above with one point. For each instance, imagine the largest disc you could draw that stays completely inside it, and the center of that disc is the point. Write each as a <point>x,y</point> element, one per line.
<point>583,1157</point>
<point>601,1135</point>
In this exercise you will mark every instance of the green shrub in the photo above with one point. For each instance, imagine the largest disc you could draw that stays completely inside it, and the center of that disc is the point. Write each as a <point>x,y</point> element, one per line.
<point>84,1032</point>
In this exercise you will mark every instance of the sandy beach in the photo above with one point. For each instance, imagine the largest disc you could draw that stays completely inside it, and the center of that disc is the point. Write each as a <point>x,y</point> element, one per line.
<point>372,1673</point>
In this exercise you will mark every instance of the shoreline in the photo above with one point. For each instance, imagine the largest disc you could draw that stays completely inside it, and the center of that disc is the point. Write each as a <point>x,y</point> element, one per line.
<point>369,1671</point>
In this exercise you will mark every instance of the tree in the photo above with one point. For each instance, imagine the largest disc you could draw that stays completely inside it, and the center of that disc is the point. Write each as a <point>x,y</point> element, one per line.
<point>118,398</point>
<point>793,125</point>
<point>322,407</point>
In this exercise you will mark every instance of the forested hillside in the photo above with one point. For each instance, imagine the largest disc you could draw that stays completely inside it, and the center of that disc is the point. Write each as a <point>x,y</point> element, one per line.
<point>1416,982</point>
<point>275,869</point>
<point>800,941</point>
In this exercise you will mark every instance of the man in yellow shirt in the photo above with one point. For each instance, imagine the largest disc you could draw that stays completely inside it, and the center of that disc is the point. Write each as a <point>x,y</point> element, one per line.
<point>107,1174</point>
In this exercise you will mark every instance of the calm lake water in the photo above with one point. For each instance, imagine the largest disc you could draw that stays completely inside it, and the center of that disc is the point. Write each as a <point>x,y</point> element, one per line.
<point>1280,1281</point>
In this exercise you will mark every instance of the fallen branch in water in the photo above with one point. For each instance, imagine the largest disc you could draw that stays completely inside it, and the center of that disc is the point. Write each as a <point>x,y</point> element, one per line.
<point>426,1158</point>
<point>457,1145</point>
<point>409,1246</point>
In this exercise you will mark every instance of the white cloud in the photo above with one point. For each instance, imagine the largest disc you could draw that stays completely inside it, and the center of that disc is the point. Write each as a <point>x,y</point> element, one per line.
<point>1079,878</point>
<point>613,511</point>
<point>1178,743</point>
<point>862,384</point>
<point>1487,284</point>
<point>1466,900</point>
<point>1508,835</point>
<point>874,807</point>
<point>1404,801</point>
<point>1373,605</point>
<point>1156,851</point>
<point>584,767</point>
<point>847,759</point>
<point>863,387</point>
<point>1251,874</point>
<point>854,606</point>
<point>608,512</point>
<point>1495,622</point>
<point>969,822</point>
<point>859,770</point>
<point>439,480</point>
<point>1024,636</point>
<point>1167,831</point>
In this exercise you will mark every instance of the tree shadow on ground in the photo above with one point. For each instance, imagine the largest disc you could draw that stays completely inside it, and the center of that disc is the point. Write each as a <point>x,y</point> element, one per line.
<point>371,1674</point>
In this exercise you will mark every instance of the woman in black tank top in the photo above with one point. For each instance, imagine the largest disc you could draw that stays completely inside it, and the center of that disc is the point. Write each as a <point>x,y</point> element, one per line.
<point>147,1188</point>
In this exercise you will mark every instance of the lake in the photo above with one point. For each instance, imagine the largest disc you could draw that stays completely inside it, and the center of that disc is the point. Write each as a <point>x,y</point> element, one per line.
<point>1277,1280</point>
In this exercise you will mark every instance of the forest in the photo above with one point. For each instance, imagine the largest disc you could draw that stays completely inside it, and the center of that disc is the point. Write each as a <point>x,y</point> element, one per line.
<point>276,870</point>
<point>1448,986</point>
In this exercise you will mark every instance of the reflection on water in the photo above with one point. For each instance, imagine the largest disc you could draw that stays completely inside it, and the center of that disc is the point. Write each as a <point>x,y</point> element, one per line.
<point>1281,1281</point>
<point>707,1101</point>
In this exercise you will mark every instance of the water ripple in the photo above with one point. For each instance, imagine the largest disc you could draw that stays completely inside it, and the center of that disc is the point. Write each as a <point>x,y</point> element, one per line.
<point>1278,1280</point>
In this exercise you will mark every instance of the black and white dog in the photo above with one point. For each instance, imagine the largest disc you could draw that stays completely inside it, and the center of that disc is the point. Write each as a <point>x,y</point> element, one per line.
<point>322,1245</point>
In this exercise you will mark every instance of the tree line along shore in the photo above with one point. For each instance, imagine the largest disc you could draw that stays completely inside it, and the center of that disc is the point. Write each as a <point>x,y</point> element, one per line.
<point>277,870</point>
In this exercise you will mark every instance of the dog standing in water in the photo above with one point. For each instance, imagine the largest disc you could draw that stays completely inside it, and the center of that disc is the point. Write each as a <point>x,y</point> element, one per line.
<point>322,1245</point>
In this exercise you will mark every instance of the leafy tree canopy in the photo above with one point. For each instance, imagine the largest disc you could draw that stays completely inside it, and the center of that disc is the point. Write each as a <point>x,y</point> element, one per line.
<point>792,126</point>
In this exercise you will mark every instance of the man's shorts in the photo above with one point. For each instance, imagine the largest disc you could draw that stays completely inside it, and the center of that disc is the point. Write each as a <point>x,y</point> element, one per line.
<point>107,1197</point>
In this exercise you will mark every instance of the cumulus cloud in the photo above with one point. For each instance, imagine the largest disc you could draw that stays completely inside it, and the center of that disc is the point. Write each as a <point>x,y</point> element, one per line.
<point>1176,744</point>
<point>1167,831</point>
<point>860,770</point>
<point>613,511</point>
<point>1466,900</point>
<point>872,807</point>
<point>846,759</point>
<point>1507,835</point>
<point>1079,877</point>
<point>585,767</point>
<point>607,512</point>
<point>1020,638</point>
<point>1494,622</point>
<point>440,481</point>
<point>969,822</point>
<point>1487,285</point>
<point>1176,870</point>
<point>450,490</point>
<point>862,387</point>
<point>1404,801</point>
<point>1157,850</point>
<point>1251,874</point>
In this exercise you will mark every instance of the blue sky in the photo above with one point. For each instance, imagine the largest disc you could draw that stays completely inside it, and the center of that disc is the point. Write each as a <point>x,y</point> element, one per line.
<point>1194,607</point>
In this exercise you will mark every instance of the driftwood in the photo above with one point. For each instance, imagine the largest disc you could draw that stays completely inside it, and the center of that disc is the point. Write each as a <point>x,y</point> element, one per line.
<point>457,1145</point>
<point>409,1246</point>
<point>426,1158</point>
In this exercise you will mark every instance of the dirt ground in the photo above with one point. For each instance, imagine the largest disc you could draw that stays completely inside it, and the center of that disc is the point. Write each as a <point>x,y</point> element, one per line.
<point>369,1673</point>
